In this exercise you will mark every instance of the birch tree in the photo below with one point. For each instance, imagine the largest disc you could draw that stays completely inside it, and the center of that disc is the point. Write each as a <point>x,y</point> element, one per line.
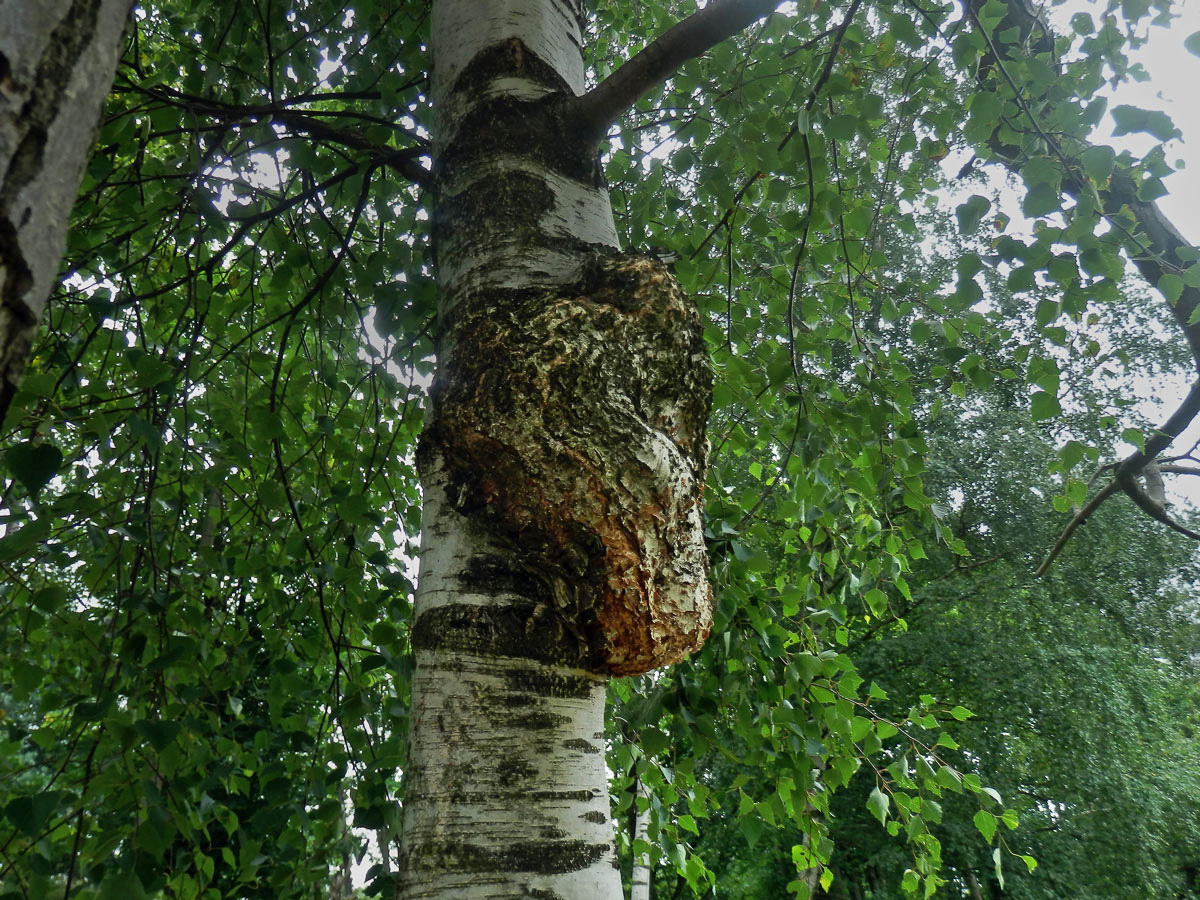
<point>357,283</point>
<point>56,65</point>
<point>562,526</point>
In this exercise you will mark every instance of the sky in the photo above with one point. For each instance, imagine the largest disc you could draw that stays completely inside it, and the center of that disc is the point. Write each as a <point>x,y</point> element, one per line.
<point>1174,79</point>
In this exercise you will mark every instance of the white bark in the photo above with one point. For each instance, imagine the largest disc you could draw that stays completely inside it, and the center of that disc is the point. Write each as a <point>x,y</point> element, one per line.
<point>561,469</point>
<point>506,784</point>
<point>540,46</point>
<point>643,865</point>
<point>57,61</point>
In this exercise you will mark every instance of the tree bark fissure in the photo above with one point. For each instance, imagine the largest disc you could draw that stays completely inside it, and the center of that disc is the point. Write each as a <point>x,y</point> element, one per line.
<point>57,61</point>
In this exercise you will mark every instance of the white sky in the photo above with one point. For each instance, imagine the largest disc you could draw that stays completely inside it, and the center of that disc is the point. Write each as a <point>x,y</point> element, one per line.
<point>1174,76</point>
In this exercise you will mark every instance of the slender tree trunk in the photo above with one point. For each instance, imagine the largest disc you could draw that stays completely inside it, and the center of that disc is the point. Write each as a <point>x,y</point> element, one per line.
<point>57,60</point>
<point>561,468</point>
<point>973,887</point>
<point>643,865</point>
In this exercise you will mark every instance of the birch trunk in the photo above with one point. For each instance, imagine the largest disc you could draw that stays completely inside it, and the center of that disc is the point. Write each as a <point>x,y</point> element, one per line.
<point>57,61</point>
<point>561,465</point>
<point>643,866</point>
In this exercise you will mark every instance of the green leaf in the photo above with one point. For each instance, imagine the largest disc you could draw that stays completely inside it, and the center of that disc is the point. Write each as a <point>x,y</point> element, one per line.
<point>1133,119</point>
<point>121,886</point>
<point>157,733</point>
<point>752,828</point>
<point>842,127</point>
<point>1030,862</point>
<point>986,823</point>
<point>1044,406</point>
<point>1041,200</point>
<point>1134,436</point>
<point>33,464</point>
<point>31,814</point>
<point>1098,162</point>
<point>654,741</point>
<point>1171,286</point>
<point>1192,43</point>
<point>22,540</point>
<point>879,805</point>
<point>971,212</point>
<point>1046,312</point>
<point>25,678</point>
<point>51,598</point>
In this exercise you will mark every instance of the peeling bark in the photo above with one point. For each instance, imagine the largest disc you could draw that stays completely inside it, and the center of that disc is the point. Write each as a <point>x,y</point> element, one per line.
<point>57,62</point>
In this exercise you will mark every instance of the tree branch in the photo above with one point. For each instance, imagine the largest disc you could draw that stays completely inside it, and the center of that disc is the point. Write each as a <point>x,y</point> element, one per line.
<point>403,160</point>
<point>654,63</point>
<point>1152,507</point>
<point>1125,477</point>
<point>1157,249</point>
<point>1080,518</point>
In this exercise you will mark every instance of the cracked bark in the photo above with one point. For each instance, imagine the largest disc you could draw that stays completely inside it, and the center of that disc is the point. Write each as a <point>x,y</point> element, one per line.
<point>57,62</point>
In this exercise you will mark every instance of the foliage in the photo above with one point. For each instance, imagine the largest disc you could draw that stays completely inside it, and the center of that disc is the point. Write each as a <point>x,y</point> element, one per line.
<point>210,507</point>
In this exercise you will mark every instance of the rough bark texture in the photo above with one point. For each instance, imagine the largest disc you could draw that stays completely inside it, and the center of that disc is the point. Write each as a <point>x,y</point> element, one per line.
<point>57,61</point>
<point>583,452</point>
<point>561,467</point>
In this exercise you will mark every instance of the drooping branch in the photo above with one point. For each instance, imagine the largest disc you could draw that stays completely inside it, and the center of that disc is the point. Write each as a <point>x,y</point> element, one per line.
<point>1162,437</point>
<point>1125,478</point>
<point>1080,518</point>
<point>654,63</point>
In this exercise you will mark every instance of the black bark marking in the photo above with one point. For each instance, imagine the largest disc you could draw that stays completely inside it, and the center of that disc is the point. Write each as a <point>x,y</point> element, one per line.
<point>545,130</point>
<point>67,45</point>
<point>506,59</point>
<point>520,630</point>
<point>581,746</point>
<point>550,857</point>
